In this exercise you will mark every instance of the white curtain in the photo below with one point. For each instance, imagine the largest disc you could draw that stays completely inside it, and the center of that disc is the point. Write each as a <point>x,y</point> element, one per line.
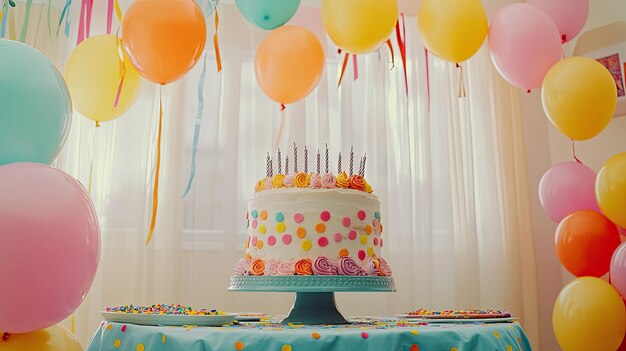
<point>449,171</point>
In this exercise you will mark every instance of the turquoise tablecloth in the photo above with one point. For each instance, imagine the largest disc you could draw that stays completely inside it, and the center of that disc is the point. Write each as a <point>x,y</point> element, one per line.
<point>376,336</point>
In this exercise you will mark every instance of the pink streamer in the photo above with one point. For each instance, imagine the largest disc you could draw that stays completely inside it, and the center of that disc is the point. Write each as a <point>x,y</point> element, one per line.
<point>355,67</point>
<point>84,23</point>
<point>109,16</point>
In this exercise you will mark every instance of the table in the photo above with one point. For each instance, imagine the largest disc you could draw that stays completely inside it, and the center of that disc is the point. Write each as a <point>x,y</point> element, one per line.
<point>375,335</point>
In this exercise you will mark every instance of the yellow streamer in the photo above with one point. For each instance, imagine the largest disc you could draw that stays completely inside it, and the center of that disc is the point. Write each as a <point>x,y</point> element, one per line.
<point>155,195</point>
<point>216,44</point>
<point>118,11</point>
<point>73,326</point>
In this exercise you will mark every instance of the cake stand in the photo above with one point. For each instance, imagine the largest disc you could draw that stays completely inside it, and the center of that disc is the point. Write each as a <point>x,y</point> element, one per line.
<point>315,294</point>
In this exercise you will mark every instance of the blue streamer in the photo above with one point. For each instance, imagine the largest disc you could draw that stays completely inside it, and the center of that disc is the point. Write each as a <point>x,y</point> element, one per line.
<point>196,132</point>
<point>5,15</point>
<point>67,19</point>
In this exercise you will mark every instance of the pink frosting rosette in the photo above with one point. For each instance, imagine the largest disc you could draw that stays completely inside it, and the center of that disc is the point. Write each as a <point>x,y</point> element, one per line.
<point>289,181</point>
<point>372,267</point>
<point>240,267</point>
<point>329,181</point>
<point>271,266</point>
<point>324,266</point>
<point>268,183</point>
<point>286,268</point>
<point>348,266</point>
<point>384,267</point>
<point>316,181</point>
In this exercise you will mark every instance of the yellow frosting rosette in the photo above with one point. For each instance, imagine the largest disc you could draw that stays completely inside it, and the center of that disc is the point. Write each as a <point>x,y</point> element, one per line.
<point>302,180</point>
<point>278,181</point>
<point>260,185</point>
<point>343,180</point>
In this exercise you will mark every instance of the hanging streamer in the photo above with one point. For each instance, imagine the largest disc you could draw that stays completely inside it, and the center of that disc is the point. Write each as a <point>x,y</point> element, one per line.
<point>355,67</point>
<point>462,92</point>
<point>427,77</point>
<point>84,24</point>
<point>343,69</point>
<point>109,16</point>
<point>401,38</point>
<point>65,14</point>
<point>155,194</point>
<point>196,132</point>
<point>120,53</point>
<point>5,17</point>
<point>29,4</point>
<point>393,56</point>
<point>73,326</point>
<point>49,18</point>
<point>218,58</point>
<point>281,127</point>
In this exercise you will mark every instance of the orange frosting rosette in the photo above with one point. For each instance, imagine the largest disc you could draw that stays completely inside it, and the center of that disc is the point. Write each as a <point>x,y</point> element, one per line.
<point>342,180</point>
<point>357,182</point>
<point>368,187</point>
<point>278,181</point>
<point>304,267</point>
<point>302,180</point>
<point>258,267</point>
<point>260,185</point>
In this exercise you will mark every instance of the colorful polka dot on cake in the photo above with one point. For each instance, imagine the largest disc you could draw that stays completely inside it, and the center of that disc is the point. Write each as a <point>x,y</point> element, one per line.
<point>280,217</point>
<point>325,216</point>
<point>301,232</point>
<point>338,237</point>
<point>263,215</point>
<point>286,239</point>
<point>298,218</point>
<point>320,227</point>
<point>271,241</point>
<point>306,245</point>
<point>281,227</point>
<point>361,214</point>
<point>322,241</point>
<point>352,235</point>
<point>346,221</point>
<point>254,214</point>
<point>262,229</point>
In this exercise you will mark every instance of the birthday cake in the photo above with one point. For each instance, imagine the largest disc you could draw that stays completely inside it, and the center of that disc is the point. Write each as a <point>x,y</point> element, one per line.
<point>302,223</point>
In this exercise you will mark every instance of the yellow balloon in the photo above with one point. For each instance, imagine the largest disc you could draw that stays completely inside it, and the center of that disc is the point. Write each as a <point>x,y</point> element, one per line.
<point>55,338</point>
<point>589,315</point>
<point>93,74</point>
<point>359,26</point>
<point>579,97</point>
<point>611,189</point>
<point>453,29</point>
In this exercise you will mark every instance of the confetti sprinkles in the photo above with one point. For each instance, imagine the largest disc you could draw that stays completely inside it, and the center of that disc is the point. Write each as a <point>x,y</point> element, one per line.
<point>239,345</point>
<point>117,343</point>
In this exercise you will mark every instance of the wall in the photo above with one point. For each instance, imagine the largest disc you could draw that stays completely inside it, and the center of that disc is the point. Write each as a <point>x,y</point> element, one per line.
<point>546,146</point>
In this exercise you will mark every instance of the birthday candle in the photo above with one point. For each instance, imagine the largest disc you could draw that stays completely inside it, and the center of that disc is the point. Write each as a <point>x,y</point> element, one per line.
<point>318,161</point>
<point>351,160</point>
<point>287,164</point>
<point>326,158</point>
<point>267,165</point>
<point>271,167</point>
<point>280,168</point>
<point>339,164</point>
<point>361,166</point>
<point>306,160</point>
<point>364,162</point>
<point>295,158</point>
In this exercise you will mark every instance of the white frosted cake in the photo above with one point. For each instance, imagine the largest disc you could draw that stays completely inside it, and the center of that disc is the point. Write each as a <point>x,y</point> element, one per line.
<point>311,224</point>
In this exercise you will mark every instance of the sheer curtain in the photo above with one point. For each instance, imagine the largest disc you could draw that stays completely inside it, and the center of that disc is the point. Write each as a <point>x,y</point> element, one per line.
<point>449,171</point>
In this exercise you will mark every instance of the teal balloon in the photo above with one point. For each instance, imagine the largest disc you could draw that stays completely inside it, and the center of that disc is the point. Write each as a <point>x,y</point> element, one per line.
<point>35,106</point>
<point>268,14</point>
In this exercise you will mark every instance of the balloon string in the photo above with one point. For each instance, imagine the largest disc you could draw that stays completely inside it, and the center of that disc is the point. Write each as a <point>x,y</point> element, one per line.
<point>343,69</point>
<point>216,43</point>
<point>355,67</point>
<point>401,37</point>
<point>29,4</point>
<point>462,92</point>
<point>427,78</point>
<point>90,176</point>
<point>155,195</point>
<point>393,58</point>
<point>73,326</point>
<point>281,127</point>
<point>563,56</point>
<point>120,53</point>
<point>574,152</point>
<point>196,132</point>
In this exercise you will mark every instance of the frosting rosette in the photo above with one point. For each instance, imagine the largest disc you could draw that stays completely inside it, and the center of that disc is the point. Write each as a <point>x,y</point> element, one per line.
<point>329,181</point>
<point>278,181</point>
<point>324,266</point>
<point>260,185</point>
<point>384,268</point>
<point>301,180</point>
<point>342,180</point>
<point>258,267</point>
<point>368,187</point>
<point>348,266</point>
<point>271,267</point>
<point>372,267</point>
<point>356,182</point>
<point>268,183</point>
<point>288,181</point>
<point>316,181</point>
<point>240,267</point>
<point>285,268</point>
<point>304,267</point>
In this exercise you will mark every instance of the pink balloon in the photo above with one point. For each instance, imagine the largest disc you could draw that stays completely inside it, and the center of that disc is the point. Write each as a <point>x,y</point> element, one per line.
<point>524,43</point>
<point>569,16</point>
<point>49,246</point>
<point>566,188</point>
<point>617,271</point>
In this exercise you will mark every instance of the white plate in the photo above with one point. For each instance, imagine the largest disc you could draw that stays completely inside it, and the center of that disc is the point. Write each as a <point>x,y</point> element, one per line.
<point>250,316</point>
<point>168,319</point>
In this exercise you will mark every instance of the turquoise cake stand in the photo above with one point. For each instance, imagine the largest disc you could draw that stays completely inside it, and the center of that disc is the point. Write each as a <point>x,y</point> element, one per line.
<point>315,295</point>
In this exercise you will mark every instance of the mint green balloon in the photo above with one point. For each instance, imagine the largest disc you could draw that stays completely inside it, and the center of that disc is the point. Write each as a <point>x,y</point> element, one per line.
<point>268,14</point>
<point>35,106</point>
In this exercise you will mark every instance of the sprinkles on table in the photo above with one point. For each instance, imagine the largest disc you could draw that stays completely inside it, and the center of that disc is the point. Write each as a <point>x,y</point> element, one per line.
<point>466,313</point>
<point>165,310</point>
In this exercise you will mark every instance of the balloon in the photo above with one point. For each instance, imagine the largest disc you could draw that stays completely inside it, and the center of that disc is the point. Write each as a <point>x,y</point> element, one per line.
<point>55,338</point>
<point>164,38</point>
<point>359,26</point>
<point>289,63</point>
<point>579,97</point>
<point>93,74</point>
<point>585,242</point>
<point>49,246</point>
<point>452,29</point>
<point>524,44</point>
<point>618,269</point>
<point>567,187</point>
<point>568,15</point>
<point>207,6</point>
<point>611,189</point>
<point>268,14</point>
<point>35,106</point>
<point>589,315</point>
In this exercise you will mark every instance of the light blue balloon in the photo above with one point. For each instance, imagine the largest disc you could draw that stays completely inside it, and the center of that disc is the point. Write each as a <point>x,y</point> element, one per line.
<point>268,14</point>
<point>35,106</point>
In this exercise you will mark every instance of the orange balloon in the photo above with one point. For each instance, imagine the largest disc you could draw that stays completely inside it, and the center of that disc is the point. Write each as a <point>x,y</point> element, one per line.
<point>164,38</point>
<point>585,242</point>
<point>289,64</point>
